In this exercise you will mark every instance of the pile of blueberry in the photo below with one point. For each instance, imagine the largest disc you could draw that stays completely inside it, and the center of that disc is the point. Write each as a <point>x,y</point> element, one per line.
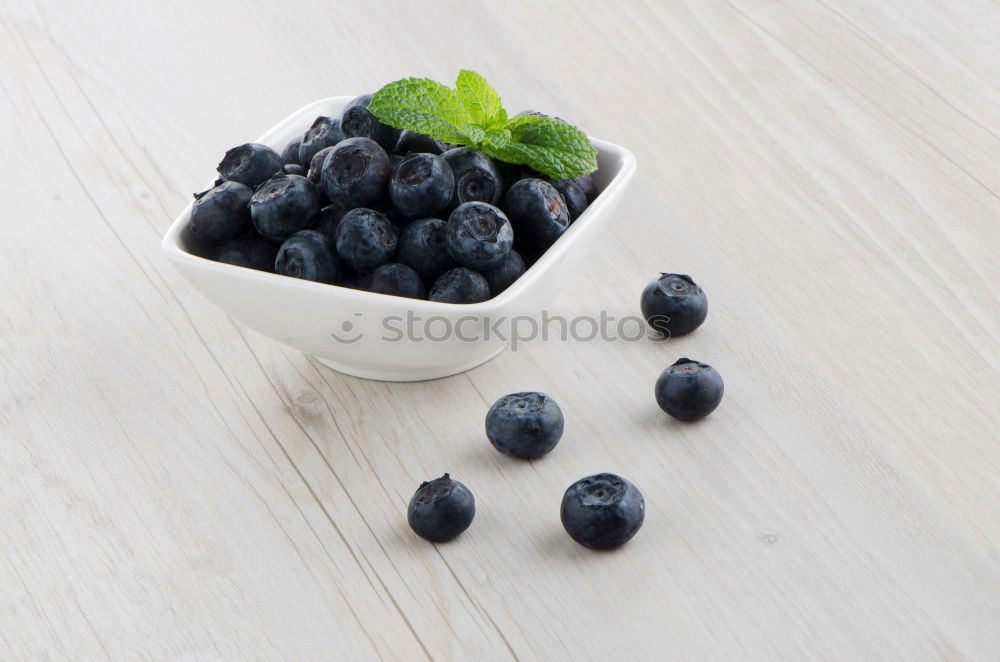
<point>603,511</point>
<point>357,203</point>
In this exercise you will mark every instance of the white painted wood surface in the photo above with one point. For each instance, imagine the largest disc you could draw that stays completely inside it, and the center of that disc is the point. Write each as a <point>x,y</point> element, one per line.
<point>176,487</point>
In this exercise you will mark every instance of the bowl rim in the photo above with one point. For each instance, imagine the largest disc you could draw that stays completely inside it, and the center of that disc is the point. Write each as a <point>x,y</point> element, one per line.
<point>626,164</point>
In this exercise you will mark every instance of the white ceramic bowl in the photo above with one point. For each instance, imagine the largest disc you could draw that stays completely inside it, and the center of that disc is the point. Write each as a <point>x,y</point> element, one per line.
<point>356,332</point>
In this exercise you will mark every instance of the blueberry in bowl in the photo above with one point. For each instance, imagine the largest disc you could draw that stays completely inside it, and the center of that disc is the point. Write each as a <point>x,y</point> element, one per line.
<point>460,285</point>
<point>423,247</point>
<point>477,178</point>
<point>356,120</point>
<point>221,213</point>
<point>537,211</point>
<point>355,172</point>
<point>283,205</point>
<point>421,185</point>
<point>311,316</point>
<point>366,239</point>
<point>309,255</point>
<point>249,252</point>
<point>397,280</point>
<point>250,164</point>
<point>478,235</point>
<point>324,132</point>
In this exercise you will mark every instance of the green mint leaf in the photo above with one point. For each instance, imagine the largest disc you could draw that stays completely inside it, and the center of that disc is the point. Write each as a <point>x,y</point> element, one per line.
<point>481,101</point>
<point>472,115</point>
<point>424,106</point>
<point>496,138</point>
<point>550,146</point>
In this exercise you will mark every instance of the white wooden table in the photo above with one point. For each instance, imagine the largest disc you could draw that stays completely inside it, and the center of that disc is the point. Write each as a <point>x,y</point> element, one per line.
<point>173,486</point>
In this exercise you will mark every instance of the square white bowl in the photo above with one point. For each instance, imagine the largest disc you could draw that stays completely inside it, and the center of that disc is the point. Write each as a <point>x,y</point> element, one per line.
<point>353,331</point>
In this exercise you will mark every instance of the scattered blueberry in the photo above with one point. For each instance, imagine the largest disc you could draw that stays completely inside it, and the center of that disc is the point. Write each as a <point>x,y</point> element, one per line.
<point>355,172</point>
<point>689,390</point>
<point>366,239</point>
<point>291,152</point>
<point>294,169</point>
<point>421,185</point>
<point>324,132</point>
<point>603,511</point>
<point>398,280</point>
<point>221,213</point>
<point>504,274</point>
<point>250,252</point>
<point>460,285</point>
<point>479,235</point>
<point>423,247</point>
<point>357,121</point>
<point>315,170</point>
<point>674,305</point>
<point>412,142</point>
<point>537,209</point>
<point>441,509</point>
<point>250,164</point>
<point>476,176</point>
<point>525,425</point>
<point>576,199</point>
<point>283,205</point>
<point>309,255</point>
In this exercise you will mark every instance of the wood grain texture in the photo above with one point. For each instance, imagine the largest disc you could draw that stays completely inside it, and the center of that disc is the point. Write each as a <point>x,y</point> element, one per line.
<point>177,487</point>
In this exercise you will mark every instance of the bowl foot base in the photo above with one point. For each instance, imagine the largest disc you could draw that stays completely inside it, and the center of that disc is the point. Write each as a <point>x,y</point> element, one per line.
<point>394,375</point>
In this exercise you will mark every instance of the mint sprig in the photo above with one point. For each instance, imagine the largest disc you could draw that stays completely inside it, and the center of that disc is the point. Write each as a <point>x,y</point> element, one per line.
<point>472,115</point>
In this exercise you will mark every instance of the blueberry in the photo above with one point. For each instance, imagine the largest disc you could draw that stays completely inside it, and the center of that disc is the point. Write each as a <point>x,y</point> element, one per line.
<point>324,132</point>
<point>308,255</point>
<point>460,285</point>
<point>385,206</point>
<point>689,390</point>
<point>250,252</point>
<point>476,176</point>
<point>398,280</point>
<point>441,509</point>
<point>423,247</point>
<point>421,185</point>
<point>479,235</point>
<point>509,174</point>
<point>328,220</point>
<point>221,213</point>
<point>294,169</point>
<point>586,184</point>
<point>291,152</point>
<point>315,169</point>
<point>356,121</point>
<point>573,195</point>
<point>525,425</point>
<point>283,205</point>
<point>250,164</point>
<point>602,511</point>
<point>412,142</point>
<point>355,172</point>
<point>673,304</point>
<point>537,210</point>
<point>365,239</point>
<point>504,274</point>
